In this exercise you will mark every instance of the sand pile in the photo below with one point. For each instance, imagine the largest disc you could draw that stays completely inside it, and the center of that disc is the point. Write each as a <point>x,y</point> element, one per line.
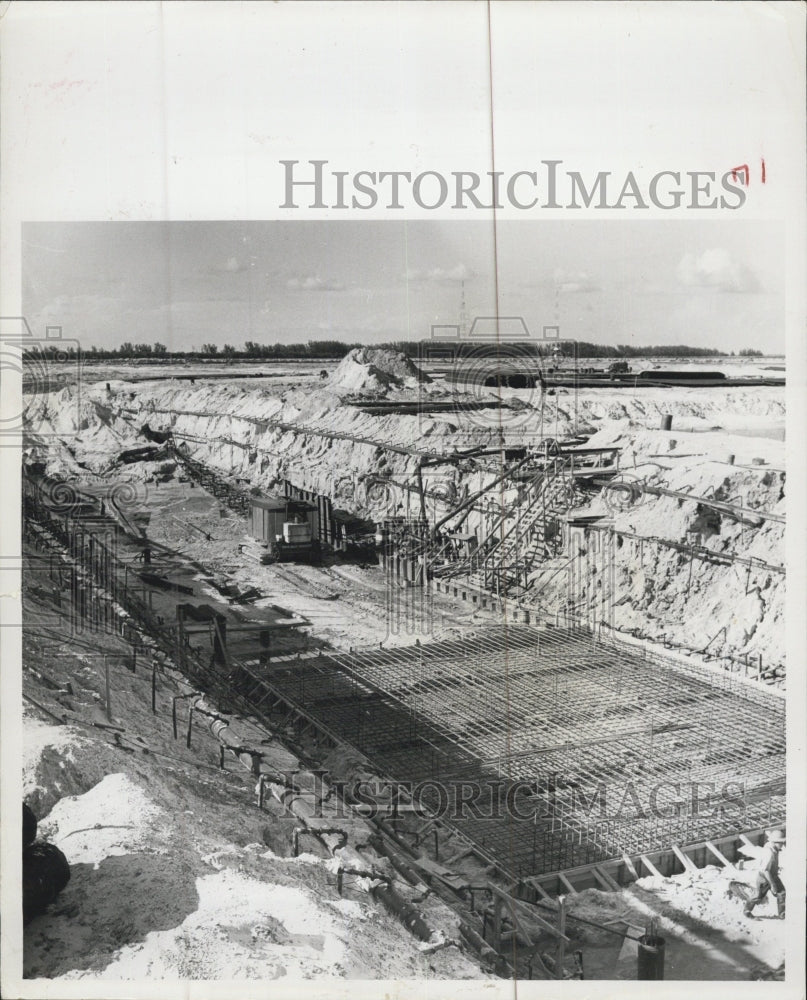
<point>375,370</point>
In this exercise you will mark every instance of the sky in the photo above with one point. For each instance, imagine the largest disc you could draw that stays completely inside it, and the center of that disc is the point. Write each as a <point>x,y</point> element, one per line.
<point>712,284</point>
<point>184,111</point>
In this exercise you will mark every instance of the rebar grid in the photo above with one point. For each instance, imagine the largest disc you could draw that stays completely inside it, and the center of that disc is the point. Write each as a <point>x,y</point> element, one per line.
<point>594,717</point>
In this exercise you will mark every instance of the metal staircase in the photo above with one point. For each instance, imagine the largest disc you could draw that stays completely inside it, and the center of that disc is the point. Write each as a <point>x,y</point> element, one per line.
<point>523,534</point>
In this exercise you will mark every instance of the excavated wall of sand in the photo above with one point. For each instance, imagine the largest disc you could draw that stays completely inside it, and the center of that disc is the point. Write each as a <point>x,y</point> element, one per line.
<point>683,594</point>
<point>660,592</point>
<point>237,432</point>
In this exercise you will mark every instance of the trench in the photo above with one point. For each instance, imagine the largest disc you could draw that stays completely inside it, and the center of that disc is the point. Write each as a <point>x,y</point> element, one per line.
<point>467,725</point>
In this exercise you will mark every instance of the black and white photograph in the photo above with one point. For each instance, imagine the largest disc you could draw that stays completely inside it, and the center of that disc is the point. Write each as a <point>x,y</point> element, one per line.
<point>402,554</point>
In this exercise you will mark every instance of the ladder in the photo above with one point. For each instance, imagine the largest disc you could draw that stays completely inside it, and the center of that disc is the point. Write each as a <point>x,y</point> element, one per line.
<point>519,538</point>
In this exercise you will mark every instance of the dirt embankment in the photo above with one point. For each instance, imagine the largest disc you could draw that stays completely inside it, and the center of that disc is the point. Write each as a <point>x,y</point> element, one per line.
<point>660,565</point>
<point>367,463</point>
<point>176,872</point>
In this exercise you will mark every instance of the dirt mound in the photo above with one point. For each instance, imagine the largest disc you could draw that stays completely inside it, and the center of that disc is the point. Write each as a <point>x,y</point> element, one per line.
<point>374,370</point>
<point>56,763</point>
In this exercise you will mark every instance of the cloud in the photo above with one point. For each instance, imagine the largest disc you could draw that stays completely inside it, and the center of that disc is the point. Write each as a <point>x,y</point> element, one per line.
<point>574,282</point>
<point>442,276</point>
<point>716,269</point>
<point>314,284</point>
<point>74,311</point>
<point>230,265</point>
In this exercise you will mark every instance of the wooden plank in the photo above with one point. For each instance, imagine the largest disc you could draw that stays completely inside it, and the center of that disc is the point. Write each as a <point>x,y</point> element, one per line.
<point>503,898</point>
<point>612,883</point>
<point>650,866</point>
<point>517,926</point>
<point>560,953</point>
<point>600,877</point>
<point>567,883</point>
<point>718,854</point>
<point>497,923</point>
<point>456,857</point>
<point>687,862</point>
<point>550,928</point>
<point>541,891</point>
<point>500,897</point>
<point>630,866</point>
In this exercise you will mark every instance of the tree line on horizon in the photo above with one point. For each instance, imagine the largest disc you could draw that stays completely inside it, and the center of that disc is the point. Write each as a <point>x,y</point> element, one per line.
<point>337,349</point>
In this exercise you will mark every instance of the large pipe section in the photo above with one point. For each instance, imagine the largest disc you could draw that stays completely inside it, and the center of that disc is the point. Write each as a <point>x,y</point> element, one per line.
<point>470,501</point>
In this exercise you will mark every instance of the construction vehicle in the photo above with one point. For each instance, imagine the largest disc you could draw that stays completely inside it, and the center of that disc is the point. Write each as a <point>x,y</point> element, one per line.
<point>286,529</point>
<point>295,543</point>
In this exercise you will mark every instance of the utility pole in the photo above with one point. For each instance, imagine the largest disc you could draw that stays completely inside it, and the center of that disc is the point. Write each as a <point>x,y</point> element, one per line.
<point>463,313</point>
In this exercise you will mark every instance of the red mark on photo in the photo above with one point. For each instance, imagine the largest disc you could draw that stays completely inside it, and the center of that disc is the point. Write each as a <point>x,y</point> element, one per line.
<point>742,174</point>
<point>736,171</point>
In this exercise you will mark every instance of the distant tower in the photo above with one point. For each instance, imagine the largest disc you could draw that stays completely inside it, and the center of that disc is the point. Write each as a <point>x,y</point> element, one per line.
<point>463,313</point>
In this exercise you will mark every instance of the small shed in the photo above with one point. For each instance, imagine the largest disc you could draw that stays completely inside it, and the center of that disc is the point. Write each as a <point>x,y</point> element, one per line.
<point>267,515</point>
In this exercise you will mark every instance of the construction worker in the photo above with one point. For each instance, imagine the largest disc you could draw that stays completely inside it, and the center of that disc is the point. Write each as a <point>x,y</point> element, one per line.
<point>768,875</point>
